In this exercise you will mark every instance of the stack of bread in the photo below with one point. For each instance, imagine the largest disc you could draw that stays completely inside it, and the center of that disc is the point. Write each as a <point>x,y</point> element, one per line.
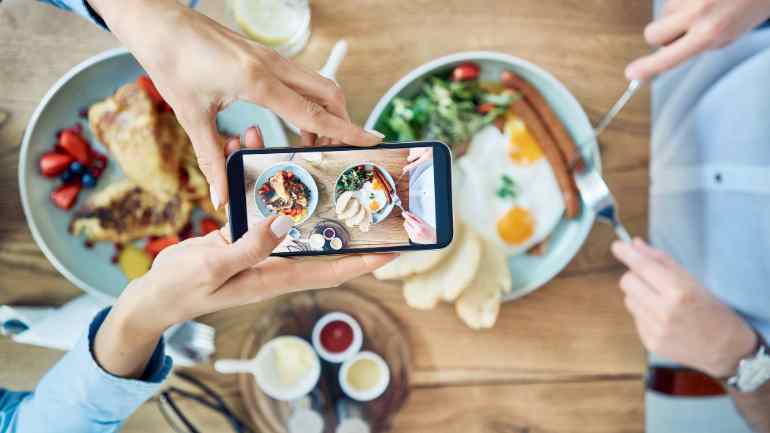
<point>471,273</point>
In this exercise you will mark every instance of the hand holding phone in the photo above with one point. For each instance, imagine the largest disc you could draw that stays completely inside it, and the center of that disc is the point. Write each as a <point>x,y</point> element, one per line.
<point>391,197</point>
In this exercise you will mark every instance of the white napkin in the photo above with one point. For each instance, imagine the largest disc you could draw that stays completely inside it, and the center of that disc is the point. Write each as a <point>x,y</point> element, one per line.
<point>60,328</point>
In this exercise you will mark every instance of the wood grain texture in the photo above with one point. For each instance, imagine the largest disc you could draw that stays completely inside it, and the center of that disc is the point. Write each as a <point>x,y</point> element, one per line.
<point>564,359</point>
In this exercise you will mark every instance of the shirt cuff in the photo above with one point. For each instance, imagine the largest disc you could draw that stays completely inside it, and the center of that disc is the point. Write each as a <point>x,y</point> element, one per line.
<point>80,7</point>
<point>108,398</point>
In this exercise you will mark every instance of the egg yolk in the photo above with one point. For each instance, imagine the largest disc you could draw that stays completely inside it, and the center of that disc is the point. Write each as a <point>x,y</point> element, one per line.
<point>522,147</point>
<point>374,205</point>
<point>377,185</point>
<point>516,226</point>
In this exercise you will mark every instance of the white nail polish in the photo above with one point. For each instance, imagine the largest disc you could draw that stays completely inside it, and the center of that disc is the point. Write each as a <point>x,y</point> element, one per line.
<point>214,197</point>
<point>281,225</point>
<point>377,134</point>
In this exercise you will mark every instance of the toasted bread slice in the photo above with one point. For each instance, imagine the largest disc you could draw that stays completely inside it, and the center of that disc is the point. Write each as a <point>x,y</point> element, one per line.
<point>123,212</point>
<point>479,304</point>
<point>147,145</point>
<point>449,278</point>
<point>415,262</point>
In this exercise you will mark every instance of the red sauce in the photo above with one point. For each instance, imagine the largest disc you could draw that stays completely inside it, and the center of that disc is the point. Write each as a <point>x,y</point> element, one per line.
<point>336,336</point>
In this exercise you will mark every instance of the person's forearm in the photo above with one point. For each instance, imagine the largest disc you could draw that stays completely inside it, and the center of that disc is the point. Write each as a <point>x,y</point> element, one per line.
<point>754,407</point>
<point>128,337</point>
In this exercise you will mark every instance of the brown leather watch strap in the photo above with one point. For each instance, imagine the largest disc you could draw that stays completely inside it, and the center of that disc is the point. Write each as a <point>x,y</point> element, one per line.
<point>683,382</point>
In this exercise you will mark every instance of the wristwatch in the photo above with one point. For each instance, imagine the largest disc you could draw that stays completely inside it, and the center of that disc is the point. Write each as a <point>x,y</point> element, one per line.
<point>753,371</point>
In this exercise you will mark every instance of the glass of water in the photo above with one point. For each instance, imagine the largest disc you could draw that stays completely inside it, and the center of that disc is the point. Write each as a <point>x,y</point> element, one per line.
<point>281,24</point>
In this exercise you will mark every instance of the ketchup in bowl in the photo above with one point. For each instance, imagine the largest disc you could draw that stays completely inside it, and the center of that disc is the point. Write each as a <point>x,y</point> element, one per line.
<point>337,337</point>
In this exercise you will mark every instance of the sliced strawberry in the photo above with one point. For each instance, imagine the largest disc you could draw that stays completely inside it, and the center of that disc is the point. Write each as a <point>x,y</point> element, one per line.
<point>53,164</point>
<point>208,225</point>
<point>466,71</point>
<point>155,246</point>
<point>149,87</point>
<point>76,146</point>
<point>66,195</point>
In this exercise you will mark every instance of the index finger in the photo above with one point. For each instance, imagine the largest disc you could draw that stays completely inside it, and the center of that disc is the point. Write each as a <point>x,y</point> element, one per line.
<point>310,116</point>
<point>668,57</point>
<point>650,270</point>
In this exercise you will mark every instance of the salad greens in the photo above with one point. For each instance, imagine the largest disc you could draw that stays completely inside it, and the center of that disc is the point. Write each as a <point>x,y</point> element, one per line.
<point>444,109</point>
<point>354,179</point>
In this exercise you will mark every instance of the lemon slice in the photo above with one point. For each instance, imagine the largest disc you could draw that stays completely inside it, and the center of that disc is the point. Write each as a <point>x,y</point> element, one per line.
<point>269,22</point>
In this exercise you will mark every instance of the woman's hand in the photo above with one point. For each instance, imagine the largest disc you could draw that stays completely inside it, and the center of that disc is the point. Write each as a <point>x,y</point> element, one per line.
<point>418,230</point>
<point>417,156</point>
<point>207,274</point>
<point>200,67</point>
<point>677,317</point>
<point>687,28</point>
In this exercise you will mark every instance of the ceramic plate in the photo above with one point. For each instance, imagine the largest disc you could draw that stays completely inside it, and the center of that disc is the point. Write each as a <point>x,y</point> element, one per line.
<point>89,82</point>
<point>383,213</point>
<point>528,272</point>
<point>303,176</point>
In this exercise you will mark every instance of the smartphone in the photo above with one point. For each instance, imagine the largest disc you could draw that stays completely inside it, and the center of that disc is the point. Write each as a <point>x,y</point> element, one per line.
<point>390,197</point>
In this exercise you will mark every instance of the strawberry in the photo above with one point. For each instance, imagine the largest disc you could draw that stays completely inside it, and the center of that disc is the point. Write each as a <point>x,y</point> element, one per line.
<point>208,225</point>
<point>66,195</point>
<point>155,246</point>
<point>53,164</point>
<point>76,146</point>
<point>152,92</point>
<point>466,71</point>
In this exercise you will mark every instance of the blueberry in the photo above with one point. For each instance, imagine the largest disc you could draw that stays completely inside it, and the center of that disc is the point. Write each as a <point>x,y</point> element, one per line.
<point>77,168</point>
<point>88,180</point>
<point>66,176</point>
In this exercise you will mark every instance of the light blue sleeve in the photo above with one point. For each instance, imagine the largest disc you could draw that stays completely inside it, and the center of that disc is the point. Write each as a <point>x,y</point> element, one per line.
<point>78,396</point>
<point>80,7</point>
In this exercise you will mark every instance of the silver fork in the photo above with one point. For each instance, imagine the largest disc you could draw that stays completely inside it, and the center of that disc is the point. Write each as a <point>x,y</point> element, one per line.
<point>593,189</point>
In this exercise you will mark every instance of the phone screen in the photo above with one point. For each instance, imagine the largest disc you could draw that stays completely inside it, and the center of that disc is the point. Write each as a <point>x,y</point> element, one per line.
<point>351,199</point>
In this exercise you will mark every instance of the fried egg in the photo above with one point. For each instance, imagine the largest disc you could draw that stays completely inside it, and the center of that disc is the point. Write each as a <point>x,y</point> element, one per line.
<point>372,196</point>
<point>507,190</point>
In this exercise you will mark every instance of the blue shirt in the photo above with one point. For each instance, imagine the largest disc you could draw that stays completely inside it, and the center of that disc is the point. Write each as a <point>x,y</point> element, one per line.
<point>78,396</point>
<point>710,198</point>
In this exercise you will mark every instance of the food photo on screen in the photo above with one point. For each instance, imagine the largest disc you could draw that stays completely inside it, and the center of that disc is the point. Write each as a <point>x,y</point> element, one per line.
<point>345,199</point>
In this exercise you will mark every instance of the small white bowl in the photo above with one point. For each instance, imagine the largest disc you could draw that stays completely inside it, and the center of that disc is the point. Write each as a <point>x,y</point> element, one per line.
<point>369,394</point>
<point>265,376</point>
<point>355,345</point>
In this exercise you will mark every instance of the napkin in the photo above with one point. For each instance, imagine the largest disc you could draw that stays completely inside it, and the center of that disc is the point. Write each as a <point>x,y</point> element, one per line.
<point>60,328</point>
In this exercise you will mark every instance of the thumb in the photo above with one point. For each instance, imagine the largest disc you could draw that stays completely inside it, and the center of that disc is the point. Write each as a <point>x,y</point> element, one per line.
<point>256,244</point>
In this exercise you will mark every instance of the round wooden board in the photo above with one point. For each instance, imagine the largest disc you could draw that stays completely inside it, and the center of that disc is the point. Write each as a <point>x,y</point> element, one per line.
<point>295,315</point>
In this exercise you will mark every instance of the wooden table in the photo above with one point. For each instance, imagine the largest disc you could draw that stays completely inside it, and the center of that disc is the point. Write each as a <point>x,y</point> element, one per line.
<point>564,359</point>
<point>325,169</point>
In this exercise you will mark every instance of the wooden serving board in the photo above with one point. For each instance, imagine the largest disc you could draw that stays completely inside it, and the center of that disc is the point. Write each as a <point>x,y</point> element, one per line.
<point>295,315</point>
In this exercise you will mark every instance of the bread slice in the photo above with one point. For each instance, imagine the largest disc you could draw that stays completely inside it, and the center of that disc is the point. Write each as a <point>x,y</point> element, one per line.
<point>479,304</point>
<point>351,210</point>
<point>447,279</point>
<point>415,262</point>
<point>342,202</point>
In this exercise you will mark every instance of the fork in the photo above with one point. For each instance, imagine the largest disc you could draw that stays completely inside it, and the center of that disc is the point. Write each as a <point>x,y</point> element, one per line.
<point>597,196</point>
<point>593,189</point>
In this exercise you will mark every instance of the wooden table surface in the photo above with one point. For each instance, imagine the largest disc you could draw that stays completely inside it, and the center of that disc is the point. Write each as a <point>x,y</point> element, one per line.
<point>325,170</point>
<point>564,359</point>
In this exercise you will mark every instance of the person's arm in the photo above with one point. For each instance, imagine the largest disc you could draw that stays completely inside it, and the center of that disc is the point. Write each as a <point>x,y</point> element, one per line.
<point>200,66</point>
<point>681,320</point>
<point>687,28</point>
<point>79,395</point>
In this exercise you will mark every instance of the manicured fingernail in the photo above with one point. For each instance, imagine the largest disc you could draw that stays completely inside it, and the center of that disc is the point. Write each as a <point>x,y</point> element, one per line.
<point>281,226</point>
<point>214,197</point>
<point>377,134</point>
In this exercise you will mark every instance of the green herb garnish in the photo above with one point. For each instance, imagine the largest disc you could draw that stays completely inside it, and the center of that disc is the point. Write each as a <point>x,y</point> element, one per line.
<point>508,188</point>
